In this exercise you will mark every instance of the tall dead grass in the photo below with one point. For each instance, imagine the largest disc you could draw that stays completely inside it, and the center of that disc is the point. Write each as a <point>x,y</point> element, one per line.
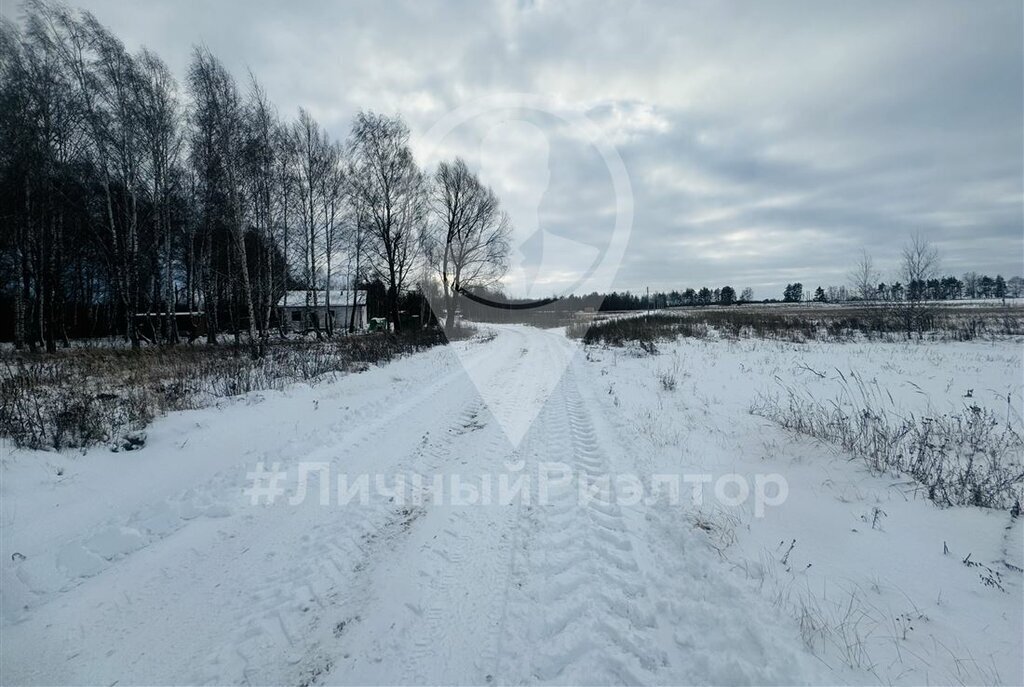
<point>972,457</point>
<point>798,325</point>
<point>85,396</point>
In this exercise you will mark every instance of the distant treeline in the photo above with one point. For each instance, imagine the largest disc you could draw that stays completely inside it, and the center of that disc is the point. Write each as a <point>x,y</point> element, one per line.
<point>972,286</point>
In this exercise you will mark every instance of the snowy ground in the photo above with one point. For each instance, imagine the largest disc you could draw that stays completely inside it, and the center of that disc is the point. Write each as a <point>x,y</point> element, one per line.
<point>156,567</point>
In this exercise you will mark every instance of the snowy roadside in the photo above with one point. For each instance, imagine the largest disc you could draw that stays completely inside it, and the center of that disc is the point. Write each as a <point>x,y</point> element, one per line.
<point>95,528</point>
<point>871,570</point>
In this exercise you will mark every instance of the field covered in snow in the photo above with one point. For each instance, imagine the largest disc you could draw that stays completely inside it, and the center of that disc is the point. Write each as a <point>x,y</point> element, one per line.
<point>163,565</point>
<point>871,570</point>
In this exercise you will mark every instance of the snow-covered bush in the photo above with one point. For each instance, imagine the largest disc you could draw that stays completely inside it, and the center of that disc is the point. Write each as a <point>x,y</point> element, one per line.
<point>82,397</point>
<point>966,458</point>
<point>56,404</point>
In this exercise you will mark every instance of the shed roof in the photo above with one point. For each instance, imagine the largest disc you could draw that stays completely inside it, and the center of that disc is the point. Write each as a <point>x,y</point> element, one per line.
<point>299,299</point>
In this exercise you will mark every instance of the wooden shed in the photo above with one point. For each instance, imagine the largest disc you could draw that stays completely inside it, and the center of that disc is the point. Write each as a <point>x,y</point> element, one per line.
<point>302,311</point>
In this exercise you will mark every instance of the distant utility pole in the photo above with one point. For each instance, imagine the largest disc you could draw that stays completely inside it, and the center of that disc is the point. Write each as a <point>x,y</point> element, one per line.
<point>648,300</point>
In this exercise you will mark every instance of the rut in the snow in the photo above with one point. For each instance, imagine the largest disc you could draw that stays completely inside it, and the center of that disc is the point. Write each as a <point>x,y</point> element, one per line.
<point>578,610</point>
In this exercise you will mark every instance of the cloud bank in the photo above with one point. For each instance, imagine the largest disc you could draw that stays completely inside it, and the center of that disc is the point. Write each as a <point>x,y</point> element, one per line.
<point>765,142</point>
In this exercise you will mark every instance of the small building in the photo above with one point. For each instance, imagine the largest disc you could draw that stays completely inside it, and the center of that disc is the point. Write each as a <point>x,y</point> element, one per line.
<point>303,311</point>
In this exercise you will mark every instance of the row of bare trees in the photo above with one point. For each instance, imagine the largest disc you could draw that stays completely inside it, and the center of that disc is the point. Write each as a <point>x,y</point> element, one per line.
<point>918,283</point>
<point>127,201</point>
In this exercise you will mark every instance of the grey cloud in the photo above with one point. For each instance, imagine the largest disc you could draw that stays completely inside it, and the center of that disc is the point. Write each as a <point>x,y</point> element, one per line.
<point>765,142</point>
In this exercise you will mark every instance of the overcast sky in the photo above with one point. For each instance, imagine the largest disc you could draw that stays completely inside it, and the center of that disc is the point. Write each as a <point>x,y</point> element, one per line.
<point>765,142</point>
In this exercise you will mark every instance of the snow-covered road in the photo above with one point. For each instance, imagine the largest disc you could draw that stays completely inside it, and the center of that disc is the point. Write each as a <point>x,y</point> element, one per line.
<point>156,567</point>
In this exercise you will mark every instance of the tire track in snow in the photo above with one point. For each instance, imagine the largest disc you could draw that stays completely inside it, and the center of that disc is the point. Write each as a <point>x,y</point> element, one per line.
<point>423,615</point>
<point>282,578</point>
<point>321,593</point>
<point>372,533</point>
<point>73,559</point>
<point>578,612</point>
<point>710,624</point>
<point>442,557</point>
<point>460,550</point>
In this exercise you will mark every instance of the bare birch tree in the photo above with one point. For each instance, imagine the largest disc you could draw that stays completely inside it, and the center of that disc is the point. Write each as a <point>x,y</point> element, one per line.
<point>262,151</point>
<point>160,127</point>
<point>106,81</point>
<point>219,120</point>
<point>390,187</point>
<point>864,277</point>
<point>920,262</point>
<point>312,164</point>
<point>469,242</point>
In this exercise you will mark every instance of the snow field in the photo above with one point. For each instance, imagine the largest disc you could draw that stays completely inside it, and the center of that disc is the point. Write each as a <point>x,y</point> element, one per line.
<point>155,567</point>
